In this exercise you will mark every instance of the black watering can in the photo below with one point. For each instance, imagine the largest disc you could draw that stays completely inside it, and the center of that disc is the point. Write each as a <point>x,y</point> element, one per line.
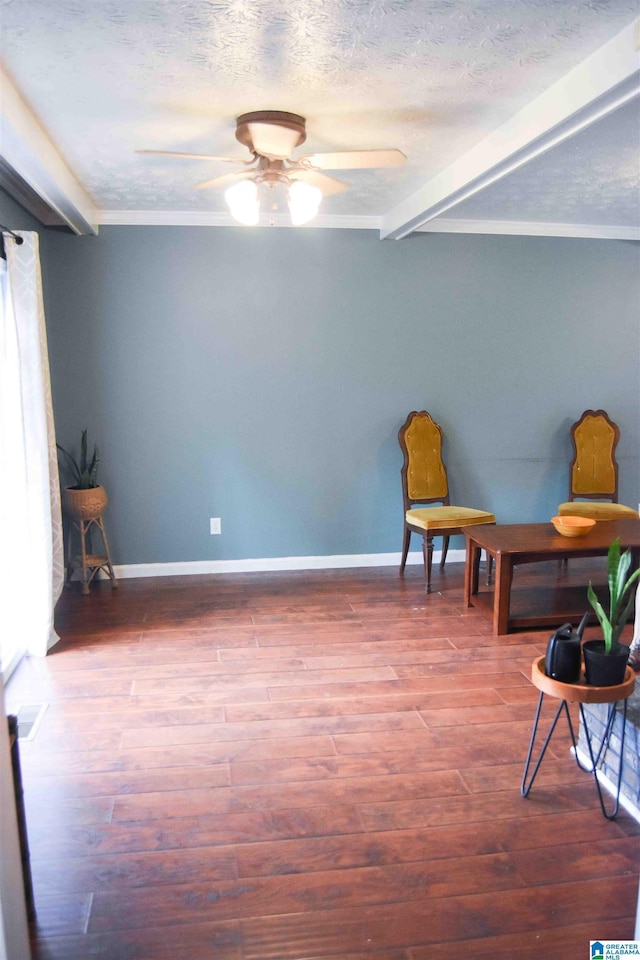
<point>562,661</point>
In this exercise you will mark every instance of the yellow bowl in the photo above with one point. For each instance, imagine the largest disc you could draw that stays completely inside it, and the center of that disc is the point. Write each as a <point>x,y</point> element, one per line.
<point>573,526</point>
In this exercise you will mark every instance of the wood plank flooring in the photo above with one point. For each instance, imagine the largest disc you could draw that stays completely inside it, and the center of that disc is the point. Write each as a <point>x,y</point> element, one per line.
<point>322,765</point>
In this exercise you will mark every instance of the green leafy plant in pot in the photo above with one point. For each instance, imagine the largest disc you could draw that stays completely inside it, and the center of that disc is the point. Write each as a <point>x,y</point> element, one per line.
<point>605,660</point>
<point>85,499</point>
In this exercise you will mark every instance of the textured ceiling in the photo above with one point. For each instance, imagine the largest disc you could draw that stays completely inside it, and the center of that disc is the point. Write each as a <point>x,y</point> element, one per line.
<point>431,77</point>
<point>596,173</point>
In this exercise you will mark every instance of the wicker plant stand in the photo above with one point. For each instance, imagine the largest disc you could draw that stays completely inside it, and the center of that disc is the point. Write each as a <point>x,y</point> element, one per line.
<point>84,509</point>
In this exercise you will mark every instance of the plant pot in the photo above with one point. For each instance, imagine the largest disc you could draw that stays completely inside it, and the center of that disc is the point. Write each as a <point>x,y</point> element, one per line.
<point>85,504</point>
<point>604,669</point>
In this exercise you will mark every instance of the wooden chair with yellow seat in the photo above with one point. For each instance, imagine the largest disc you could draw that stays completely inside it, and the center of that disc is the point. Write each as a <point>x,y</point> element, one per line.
<point>424,480</point>
<point>593,472</point>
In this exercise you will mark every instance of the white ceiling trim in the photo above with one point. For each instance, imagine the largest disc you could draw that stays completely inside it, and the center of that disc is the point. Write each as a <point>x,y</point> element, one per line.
<point>186,218</point>
<point>28,150</point>
<point>603,82</point>
<point>532,228</point>
<point>177,218</point>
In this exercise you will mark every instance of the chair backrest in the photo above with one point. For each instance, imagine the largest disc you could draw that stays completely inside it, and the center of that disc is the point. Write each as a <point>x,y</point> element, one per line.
<point>424,475</point>
<point>593,470</point>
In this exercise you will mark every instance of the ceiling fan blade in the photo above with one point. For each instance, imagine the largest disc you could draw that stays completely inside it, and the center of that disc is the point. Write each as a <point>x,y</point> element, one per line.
<point>194,156</point>
<point>355,159</point>
<point>328,185</point>
<point>220,181</point>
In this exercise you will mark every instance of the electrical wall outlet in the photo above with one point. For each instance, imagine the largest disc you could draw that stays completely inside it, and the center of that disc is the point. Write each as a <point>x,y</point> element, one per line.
<point>215,525</point>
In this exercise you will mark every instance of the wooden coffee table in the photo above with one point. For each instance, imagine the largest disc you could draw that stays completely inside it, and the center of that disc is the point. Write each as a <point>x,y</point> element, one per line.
<point>519,543</point>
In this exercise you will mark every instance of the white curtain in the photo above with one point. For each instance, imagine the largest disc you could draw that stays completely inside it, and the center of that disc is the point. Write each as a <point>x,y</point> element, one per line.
<point>31,551</point>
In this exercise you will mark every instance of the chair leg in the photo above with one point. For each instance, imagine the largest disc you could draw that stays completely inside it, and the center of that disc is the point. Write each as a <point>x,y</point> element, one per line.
<point>427,549</point>
<point>405,548</point>
<point>445,549</point>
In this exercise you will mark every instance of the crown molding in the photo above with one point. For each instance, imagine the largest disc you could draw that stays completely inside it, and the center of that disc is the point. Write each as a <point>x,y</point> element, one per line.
<point>186,218</point>
<point>524,228</point>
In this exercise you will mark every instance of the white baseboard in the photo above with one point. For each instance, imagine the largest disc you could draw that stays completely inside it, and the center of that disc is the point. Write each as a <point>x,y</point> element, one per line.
<point>263,564</point>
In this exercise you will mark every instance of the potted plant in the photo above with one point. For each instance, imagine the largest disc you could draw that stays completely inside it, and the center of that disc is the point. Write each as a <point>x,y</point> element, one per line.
<point>85,499</point>
<point>605,660</point>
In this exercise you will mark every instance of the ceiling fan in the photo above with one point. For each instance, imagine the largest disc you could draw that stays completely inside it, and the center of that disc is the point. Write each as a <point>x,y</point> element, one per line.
<point>271,137</point>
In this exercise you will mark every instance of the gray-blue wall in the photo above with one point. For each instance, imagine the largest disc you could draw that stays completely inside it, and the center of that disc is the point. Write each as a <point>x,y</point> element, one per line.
<point>262,376</point>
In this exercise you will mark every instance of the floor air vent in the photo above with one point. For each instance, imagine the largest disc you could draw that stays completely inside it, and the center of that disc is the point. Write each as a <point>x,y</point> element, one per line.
<point>29,719</point>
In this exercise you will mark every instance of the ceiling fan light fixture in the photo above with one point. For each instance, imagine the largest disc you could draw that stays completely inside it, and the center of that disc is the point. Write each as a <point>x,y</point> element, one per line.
<point>304,202</point>
<point>271,133</point>
<point>242,199</point>
<point>271,141</point>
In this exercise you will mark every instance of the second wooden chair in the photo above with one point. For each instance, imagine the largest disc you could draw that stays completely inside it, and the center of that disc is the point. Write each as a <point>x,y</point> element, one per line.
<point>424,481</point>
<point>593,473</point>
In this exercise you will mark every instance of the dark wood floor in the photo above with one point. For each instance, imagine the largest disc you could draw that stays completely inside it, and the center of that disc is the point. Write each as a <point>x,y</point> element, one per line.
<point>306,765</point>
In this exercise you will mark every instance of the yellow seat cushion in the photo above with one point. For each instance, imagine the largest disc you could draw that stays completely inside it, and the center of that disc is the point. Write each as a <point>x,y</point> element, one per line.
<point>596,510</point>
<point>434,518</point>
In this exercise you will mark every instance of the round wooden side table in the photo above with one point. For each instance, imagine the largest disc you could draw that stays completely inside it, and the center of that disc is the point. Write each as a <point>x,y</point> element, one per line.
<point>580,693</point>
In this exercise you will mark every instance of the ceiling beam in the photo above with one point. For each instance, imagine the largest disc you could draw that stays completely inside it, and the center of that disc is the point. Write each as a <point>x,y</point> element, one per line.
<point>26,148</point>
<point>600,84</point>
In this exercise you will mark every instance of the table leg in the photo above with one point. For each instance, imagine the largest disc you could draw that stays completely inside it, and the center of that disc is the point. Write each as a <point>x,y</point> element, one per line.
<point>502,594</point>
<point>471,570</point>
